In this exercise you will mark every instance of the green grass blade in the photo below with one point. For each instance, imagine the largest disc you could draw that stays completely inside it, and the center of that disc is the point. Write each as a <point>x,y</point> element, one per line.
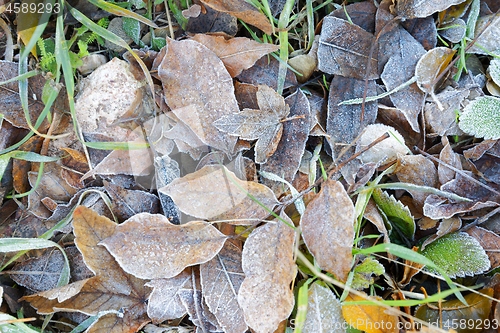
<point>119,11</point>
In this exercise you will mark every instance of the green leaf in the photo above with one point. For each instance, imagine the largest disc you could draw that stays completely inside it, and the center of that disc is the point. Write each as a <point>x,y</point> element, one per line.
<point>363,273</point>
<point>398,214</point>
<point>132,28</point>
<point>458,254</point>
<point>481,118</point>
<point>16,326</point>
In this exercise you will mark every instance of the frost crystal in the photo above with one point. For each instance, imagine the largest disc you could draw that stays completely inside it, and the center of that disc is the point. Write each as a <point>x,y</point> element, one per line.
<point>481,118</point>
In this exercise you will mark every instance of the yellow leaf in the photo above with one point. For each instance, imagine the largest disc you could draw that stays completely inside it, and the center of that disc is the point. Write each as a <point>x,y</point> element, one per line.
<point>369,318</point>
<point>27,21</point>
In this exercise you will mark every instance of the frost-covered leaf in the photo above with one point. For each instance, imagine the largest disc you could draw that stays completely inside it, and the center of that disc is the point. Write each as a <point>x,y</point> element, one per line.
<point>237,53</point>
<point>328,229</point>
<point>196,195</point>
<point>475,311</point>
<point>385,151</point>
<point>398,214</point>
<point>221,279</point>
<point>324,313</point>
<point>164,302</point>
<point>264,125</point>
<point>430,66</point>
<point>344,49</point>
<point>481,118</point>
<point>156,248</point>
<point>458,254</point>
<point>494,70</point>
<point>199,89</point>
<point>486,35</point>
<point>363,273</point>
<point>265,295</point>
<point>490,241</point>
<point>409,9</point>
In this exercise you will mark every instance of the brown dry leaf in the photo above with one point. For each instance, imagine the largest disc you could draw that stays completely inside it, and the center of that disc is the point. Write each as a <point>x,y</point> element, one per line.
<point>221,279</point>
<point>237,53</point>
<point>437,208</point>
<point>418,170</point>
<point>345,122</point>
<point>444,122</point>
<point>328,229</point>
<point>359,13</point>
<point>344,49</point>
<point>111,289</point>
<point>197,309</point>
<point>127,203</point>
<point>10,103</point>
<point>285,161</point>
<point>486,35</point>
<point>39,273</point>
<point>400,52</point>
<point>429,68</point>
<point>242,10</point>
<point>265,72</point>
<point>164,302</point>
<point>448,156</point>
<point>212,21</point>
<point>51,186</point>
<point>410,270</point>
<point>490,243</point>
<point>159,249</point>
<point>196,82</point>
<point>20,168</point>
<point>265,295</point>
<point>195,195</point>
<point>409,9</point>
<point>264,125</point>
<point>447,226</point>
<point>369,318</point>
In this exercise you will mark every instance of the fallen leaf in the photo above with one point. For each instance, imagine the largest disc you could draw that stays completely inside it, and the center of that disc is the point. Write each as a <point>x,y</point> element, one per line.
<point>458,254</point>
<point>448,156</point>
<point>238,53</point>
<point>10,103</point>
<point>481,118</point>
<point>264,125</point>
<point>328,229</point>
<point>127,203</point>
<point>221,279</point>
<point>195,195</point>
<point>424,30</point>
<point>197,85</point>
<point>490,242</point>
<point>359,13</point>
<point>369,318</point>
<point>485,35</point>
<point>385,151</point>
<point>444,122</point>
<point>430,66</point>
<point>159,249</point>
<point>446,226</point>
<point>475,312</point>
<point>242,10</point>
<point>399,53</point>
<point>364,271</point>
<point>265,72</point>
<point>418,170</point>
<point>39,273</point>
<point>213,21</point>
<point>345,122</point>
<point>409,9</point>
<point>285,161</point>
<point>324,313</point>
<point>344,49</point>
<point>267,260</point>
<point>111,289</point>
<point>164,302</point>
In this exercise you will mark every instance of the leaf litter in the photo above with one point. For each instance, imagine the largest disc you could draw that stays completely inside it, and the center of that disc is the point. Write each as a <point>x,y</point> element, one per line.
<point>223,185</point>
